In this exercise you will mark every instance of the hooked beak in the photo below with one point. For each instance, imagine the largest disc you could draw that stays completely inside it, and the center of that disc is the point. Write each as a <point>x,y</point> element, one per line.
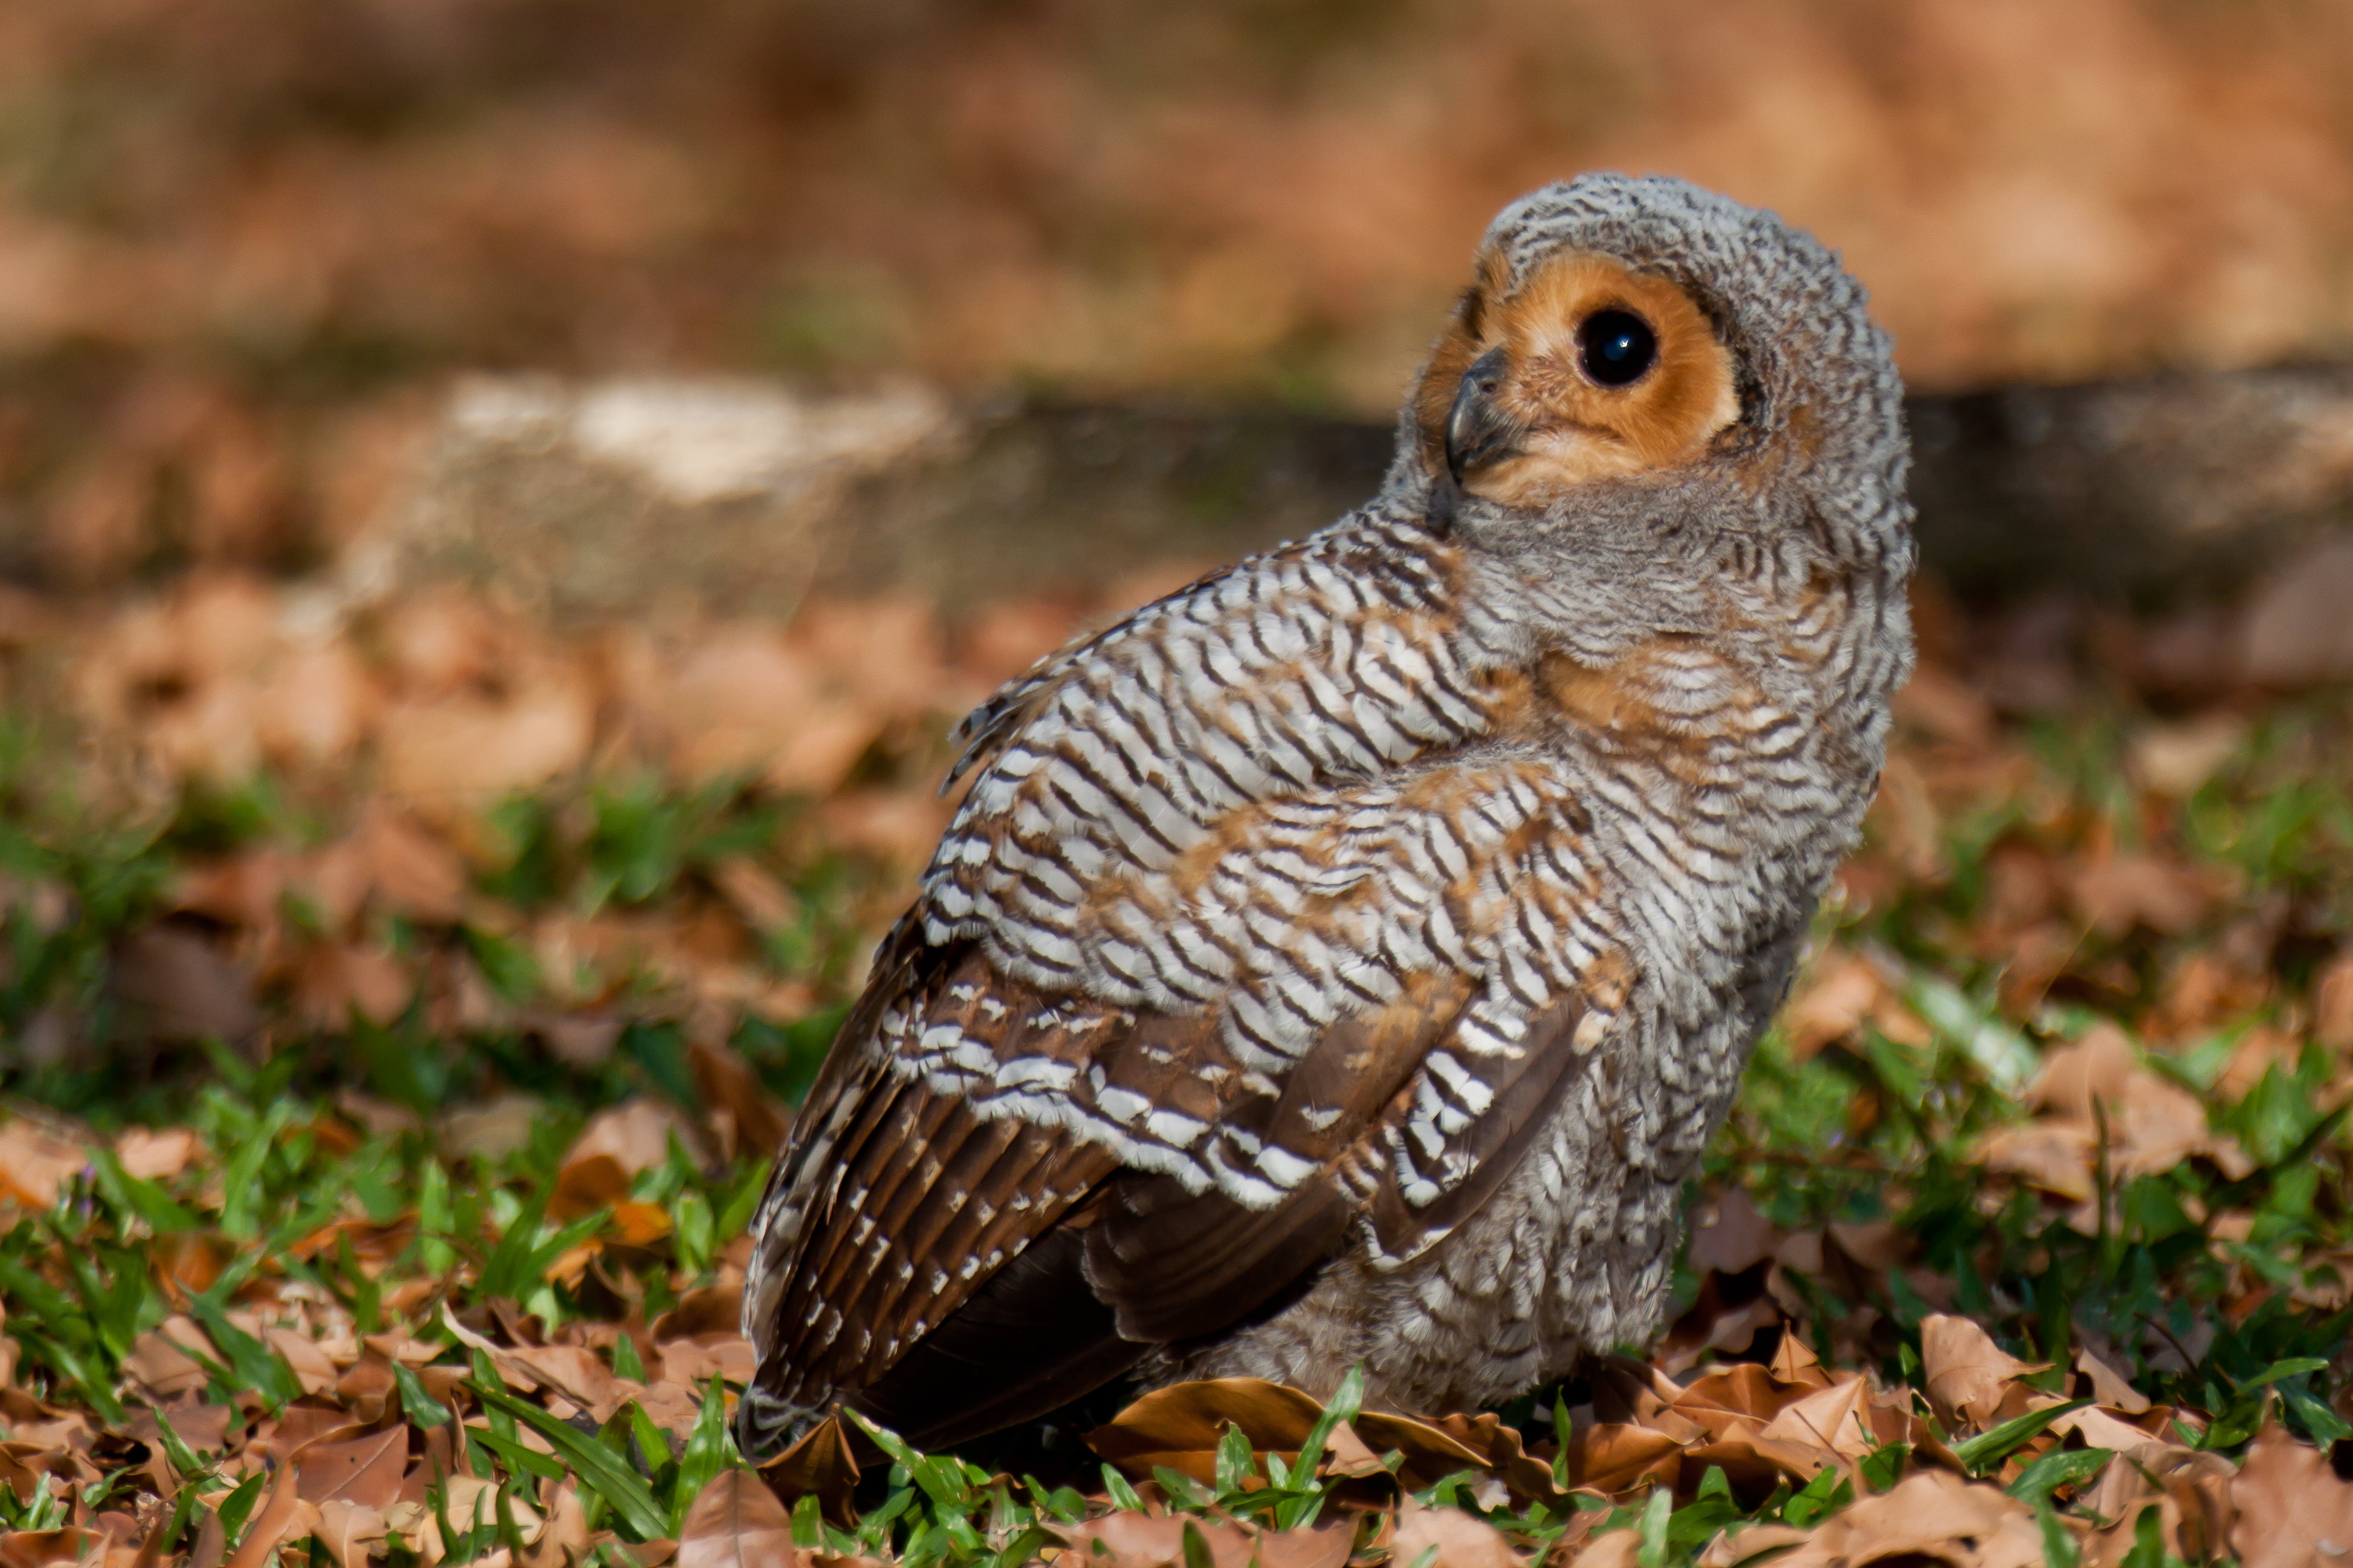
<point>1477,432</point>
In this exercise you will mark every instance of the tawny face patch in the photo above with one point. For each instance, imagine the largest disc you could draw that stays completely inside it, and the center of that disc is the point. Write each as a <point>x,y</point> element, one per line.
<point>1587,370</point>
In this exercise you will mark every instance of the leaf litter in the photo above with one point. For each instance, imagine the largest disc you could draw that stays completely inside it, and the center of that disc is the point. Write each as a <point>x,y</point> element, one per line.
<point>401,1008</point>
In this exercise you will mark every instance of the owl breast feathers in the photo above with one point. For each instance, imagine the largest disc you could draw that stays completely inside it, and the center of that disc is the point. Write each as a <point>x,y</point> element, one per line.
<point>1344,960</point>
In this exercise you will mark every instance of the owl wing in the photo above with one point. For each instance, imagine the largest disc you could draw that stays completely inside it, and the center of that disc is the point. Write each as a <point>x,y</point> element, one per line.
<point>1003,1193</point>
<point>1251,936</point>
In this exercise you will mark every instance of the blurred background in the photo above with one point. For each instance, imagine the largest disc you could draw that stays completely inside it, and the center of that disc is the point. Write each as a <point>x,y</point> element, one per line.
<point>245,245</point>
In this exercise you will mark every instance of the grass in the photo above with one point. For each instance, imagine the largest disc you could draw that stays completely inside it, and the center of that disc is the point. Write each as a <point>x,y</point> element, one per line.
<point>2215,1282</point>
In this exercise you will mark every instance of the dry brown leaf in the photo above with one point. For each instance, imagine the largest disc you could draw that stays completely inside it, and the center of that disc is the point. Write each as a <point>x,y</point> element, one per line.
<point>818,1463</point>
<point>697,1360</point>
<point>204,1427</point>
<point>464,749</point>
<point>2114,895</point>
<point>2191,1491</point>
<point>1326,1545</point>
<point>1965,1373</point>
<point>48,1548</point>
<point>333,982</point>
<point>1829,1419</point>
<point>1741,1390</point>
<point>157,1155</point>
<point>307,1422</point>
<point>491,1129</point>
<point>22,1466</point>
<point>744,1116</point>
<point>365,1471</point>
<point>709,1310</point>
<point>574,1371</point>
<point>284,1515</point>
<point>2292,1512</point>
<point>890,825</point>
<point>315,706</point>
<point>614,1146</point>
<point>565,1540</point>
<point>2055,1156</point>
<point>162,1367</point>
<point>351,1532</point>
<point>1616,1457</point>
<point>35,1163</point>
<point>1729,1234</point>
<point>1140,1541</point>
<point>310,1364</point>
<point>755,893</point>
<point>2175,760</point>
<point>1463,1540</point>
<point>1741,1545</point>
<point>2332,1004</point>
<point>1179,1425</point>
<point>736,1522</point>
<point>412,873</point>
<point>1845,991</point>
<point>1930,1517</point>
<point>2108,1385</point>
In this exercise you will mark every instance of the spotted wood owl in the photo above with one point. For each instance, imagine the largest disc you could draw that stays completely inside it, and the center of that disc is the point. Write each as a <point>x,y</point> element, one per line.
<point>1345,959</point>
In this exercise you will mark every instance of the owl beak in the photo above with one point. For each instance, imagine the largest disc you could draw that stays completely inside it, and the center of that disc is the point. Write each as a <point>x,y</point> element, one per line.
<point>1477,431</point>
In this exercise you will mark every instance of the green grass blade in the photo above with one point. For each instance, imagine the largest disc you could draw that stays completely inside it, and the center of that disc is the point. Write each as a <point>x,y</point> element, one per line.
<point>598,1469</point>
<point>709,1450</point>
<point>2066,1467</point>
<point>1988,1450</point>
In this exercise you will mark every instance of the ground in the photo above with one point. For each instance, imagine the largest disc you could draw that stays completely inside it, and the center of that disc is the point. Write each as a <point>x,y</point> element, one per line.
<point>404,1001</point>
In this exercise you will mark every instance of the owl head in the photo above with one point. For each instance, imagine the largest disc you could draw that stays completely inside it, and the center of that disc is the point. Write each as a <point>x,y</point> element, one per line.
<point>1623,335</point>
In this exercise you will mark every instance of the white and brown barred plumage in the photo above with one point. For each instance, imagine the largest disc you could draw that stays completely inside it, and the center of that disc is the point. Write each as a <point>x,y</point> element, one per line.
<point>1344,959</point>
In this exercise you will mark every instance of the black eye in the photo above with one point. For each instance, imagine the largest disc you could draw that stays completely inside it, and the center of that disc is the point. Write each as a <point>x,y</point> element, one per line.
<point>1616,346</point>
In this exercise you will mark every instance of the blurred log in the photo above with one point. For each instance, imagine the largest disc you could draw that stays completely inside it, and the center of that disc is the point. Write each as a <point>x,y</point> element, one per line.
<point>617,499</point>
<point>2175,487</point>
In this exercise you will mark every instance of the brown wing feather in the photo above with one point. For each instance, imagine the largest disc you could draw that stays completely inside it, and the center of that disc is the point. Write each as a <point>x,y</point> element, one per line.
<point>909,1262</point>
<point>1180,1266</point>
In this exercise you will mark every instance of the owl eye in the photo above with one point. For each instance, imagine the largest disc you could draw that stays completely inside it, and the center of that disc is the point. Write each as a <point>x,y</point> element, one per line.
<point>1616,347</point>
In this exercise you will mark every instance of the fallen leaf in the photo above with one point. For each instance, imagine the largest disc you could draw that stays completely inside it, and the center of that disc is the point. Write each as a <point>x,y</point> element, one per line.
<point>610,1152</point>
<point>365,1471</point>
<point>48,1548</point>
<point>36,1164</point>
<point>2175,760</point>
<point>162,1367</point>
<point>1613,1459</point>
<point>2292,1512</point>
<point>464,751</point>
<point>744,1115</point>
<point>335,982</point>
<point>1965,1373</point>
<point>351,1532</point>
<point>818,1463</point>
<point>411,873</point>
<point>489,1129</point>
<point>1460,1540</point>
<point>1140,1541</point>
<point>302,1355</point>
<point>565,1540</point>
<point>1826,1418</point>
<point>2112,896</point>
<point>284,1515</point>
<point>1729,1234</point>
<point>155,1155</point>
<point>735,1521</point>
<point>1325,1545</point>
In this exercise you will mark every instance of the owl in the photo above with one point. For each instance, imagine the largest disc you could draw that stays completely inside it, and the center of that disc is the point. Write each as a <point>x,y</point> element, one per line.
<point>1343,960</point>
